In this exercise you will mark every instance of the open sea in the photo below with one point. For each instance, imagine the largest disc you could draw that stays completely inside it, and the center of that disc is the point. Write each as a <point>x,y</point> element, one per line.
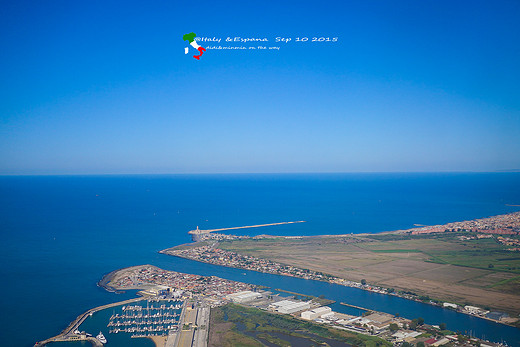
<point>61,234</point>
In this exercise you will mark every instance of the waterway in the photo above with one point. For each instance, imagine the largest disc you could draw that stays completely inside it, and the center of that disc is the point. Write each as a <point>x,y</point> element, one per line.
<point>455,321</point>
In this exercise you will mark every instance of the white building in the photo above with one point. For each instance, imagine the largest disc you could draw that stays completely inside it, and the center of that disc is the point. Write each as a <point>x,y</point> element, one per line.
<point>402,335</point>
<point>475,310</point>
<point>274,306</point>
<point>357,320</point>
<point>244,296</point>
<point>288,306</point>
<point>316,313</point>
<point>177,294</point>
<point>329,316</point>
<point>450,305</point>
<point>443,341</point>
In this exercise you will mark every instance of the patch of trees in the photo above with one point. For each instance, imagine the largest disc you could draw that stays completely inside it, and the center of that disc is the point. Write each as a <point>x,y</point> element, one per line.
<point>416,322</point>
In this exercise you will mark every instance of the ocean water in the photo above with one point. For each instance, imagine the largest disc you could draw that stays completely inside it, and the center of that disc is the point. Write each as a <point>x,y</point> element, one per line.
<point>61,234</point>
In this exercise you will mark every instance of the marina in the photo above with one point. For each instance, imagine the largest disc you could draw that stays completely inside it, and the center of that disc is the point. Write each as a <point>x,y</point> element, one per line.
<point>141,321</point>
<point>130,320</point>
<point>72,332</point>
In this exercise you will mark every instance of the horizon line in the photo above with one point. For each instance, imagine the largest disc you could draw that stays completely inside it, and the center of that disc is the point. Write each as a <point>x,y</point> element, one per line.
<point>258,173</point>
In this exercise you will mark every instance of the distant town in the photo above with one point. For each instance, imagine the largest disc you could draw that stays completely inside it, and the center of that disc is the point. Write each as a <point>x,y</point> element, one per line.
<point>507,224</point>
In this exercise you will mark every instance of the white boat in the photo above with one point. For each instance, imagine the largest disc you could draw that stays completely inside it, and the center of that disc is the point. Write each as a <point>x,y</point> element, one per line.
<point>101,338</point>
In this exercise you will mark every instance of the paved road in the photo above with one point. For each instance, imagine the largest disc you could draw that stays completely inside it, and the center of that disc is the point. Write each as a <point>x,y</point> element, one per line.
<point>201,335</point>
<point>197,335</point>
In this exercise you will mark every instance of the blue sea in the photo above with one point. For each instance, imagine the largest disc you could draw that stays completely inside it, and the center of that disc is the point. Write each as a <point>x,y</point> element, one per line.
<point>61,234</point>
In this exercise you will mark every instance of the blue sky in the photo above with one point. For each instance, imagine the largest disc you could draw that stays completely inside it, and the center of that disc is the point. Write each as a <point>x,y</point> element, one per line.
<point>102,87</point>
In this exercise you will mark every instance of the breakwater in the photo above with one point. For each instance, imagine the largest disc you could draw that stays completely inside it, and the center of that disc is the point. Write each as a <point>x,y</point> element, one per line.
<point>195,234</point>
<point>69,335</point>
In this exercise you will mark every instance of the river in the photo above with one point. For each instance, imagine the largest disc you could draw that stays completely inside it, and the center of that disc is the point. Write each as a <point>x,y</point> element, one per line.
<point>455,321</point>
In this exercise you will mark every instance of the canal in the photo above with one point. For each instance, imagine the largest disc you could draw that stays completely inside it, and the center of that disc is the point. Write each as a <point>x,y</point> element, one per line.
<point>435,315</point>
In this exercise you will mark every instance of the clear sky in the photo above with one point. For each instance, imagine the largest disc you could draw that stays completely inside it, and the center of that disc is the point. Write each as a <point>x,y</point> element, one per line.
<point>95,87</point>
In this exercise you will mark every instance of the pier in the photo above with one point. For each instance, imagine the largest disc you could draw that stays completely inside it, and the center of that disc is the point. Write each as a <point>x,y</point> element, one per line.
<point>316,299</point>
<point>354,306</point>
<point>198,231</point>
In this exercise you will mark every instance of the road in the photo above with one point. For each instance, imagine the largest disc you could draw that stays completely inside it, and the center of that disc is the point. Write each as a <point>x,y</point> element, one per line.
<point>193,326</point>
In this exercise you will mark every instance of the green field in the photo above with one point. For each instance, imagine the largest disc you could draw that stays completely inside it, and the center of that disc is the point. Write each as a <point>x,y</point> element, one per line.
<point>447,249</point>
<point>251,326</point>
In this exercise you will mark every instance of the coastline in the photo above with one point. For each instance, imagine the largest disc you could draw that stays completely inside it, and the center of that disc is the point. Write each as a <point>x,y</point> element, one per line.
<point>108,280</point>
<point>104,282</point>
<point>329,278</point>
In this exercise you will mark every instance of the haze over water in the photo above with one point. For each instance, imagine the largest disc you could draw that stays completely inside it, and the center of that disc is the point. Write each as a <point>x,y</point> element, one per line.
<point>62,233</point>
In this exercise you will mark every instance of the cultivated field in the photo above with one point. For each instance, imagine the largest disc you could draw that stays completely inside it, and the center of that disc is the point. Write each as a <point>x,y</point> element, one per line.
<point>479,272</point>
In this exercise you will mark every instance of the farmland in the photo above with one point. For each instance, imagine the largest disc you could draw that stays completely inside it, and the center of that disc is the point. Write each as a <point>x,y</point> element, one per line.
<point>444,266</point>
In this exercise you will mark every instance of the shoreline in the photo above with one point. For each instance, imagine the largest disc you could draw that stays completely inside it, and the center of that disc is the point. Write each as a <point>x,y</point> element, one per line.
<point>416,231</point>
<point>107,278</point>
<point>103,282</point>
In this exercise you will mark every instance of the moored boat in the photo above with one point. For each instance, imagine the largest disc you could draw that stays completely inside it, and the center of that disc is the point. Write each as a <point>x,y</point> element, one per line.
<point>101,338</point>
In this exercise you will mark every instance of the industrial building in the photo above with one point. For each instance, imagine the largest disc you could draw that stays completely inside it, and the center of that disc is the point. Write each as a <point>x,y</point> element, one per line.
<point>245,296</point>
<point>316,313</point>
<point>288,306</point>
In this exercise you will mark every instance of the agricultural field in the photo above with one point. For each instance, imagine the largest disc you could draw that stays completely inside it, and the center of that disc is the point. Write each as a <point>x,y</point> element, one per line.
<point>479,272</point>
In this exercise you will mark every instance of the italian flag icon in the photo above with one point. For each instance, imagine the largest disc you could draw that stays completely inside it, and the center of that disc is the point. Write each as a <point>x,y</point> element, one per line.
<point>191,39</point>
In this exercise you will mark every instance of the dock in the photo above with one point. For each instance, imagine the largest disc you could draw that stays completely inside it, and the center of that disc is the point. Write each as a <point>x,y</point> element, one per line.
<point>316,299</point>
<point>354,306</point>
